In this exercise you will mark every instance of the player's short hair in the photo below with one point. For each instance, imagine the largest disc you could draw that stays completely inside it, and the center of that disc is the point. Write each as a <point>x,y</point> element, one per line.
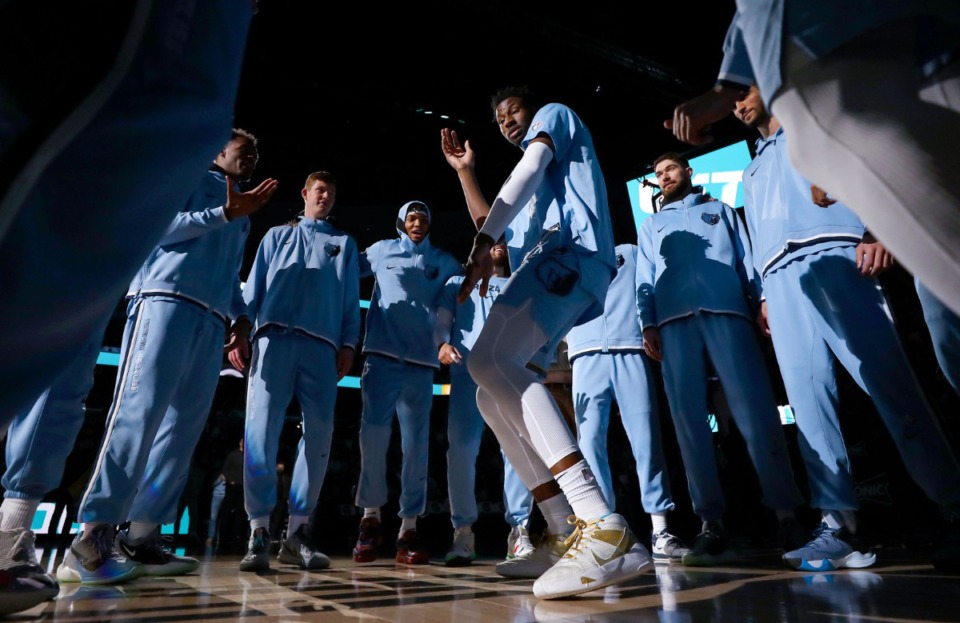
<point>323,176</point>
<point>672,155</point>
<point>529,96</point>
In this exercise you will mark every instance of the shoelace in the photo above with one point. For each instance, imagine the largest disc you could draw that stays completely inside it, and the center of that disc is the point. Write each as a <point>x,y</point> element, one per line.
<point>580,527</point>
<point>103,545</point>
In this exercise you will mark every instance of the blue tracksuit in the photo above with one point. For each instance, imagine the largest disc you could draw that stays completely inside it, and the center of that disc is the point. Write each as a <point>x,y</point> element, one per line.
<point>400,363</point>
<point>695,282</point>
<point>303,298</point>
<point>609,364</point>
<point>820,310</point>
<point>133,152</point>
<point>758,32</point>
<point>170,362</point>
<point>944,326</point>
<point>459,325</point>
<point>39,439</point>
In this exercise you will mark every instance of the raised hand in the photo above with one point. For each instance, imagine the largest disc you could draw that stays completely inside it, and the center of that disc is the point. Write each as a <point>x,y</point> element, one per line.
<point>692,119</point>
<point>244,204</point>
<point>458,156</point>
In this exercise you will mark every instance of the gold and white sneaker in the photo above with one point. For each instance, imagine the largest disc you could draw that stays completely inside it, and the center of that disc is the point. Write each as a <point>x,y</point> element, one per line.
<point>532,563</point>
<point>602,552</point>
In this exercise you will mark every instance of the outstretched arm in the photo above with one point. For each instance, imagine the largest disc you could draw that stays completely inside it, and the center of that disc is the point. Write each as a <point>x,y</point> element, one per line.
<point>693,119</point>
<point>515,193</point>
<point>461,158</point>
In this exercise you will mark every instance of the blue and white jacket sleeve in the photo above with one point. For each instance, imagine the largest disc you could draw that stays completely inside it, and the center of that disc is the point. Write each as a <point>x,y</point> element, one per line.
<point>350,329</point>
<point>745,268</point>
<point>446,311</point>
<point>646,275</point>
<point>191,224</point>
<point>735,69</point>
<point>257,278</point>
<point>368,260</point>
<point>238,307</point>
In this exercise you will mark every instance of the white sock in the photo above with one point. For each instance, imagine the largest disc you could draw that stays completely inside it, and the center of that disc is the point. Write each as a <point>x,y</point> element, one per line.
<point>371,512</point>
<point>833,519</point>
<point>140,530</point>
<point>259,522</point>
<point>295,522</point>
<point>18,513</point>
<point>583,493</point>
<point>556,510</point>
<point>462,530</point>
<point>659,521</point>
<point>407,523</point>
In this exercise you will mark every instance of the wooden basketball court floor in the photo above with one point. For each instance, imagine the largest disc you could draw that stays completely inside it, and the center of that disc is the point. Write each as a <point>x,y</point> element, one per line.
<point>901,587</point>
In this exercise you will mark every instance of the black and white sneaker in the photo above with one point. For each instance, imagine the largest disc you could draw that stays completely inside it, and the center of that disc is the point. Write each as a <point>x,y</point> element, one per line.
<point>258,552</point>
<point>710,547</point>
<point>666,547</point>
<point>155,557</point>
<point>299,549</point>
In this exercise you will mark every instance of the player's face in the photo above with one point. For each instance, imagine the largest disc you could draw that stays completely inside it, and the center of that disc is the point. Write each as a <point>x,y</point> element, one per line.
<point>750,109</point>
<point>499,254</point>
<point>417,226</point>
<point>674,179</point>
<point>513,118</point>
<point>318,199</point>
<point>238,158</point>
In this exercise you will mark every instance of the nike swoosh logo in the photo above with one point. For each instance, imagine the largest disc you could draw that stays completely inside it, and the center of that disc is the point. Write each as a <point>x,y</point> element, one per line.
<point>602,561</point>
<point>661,229</point>
<point>125,549</point>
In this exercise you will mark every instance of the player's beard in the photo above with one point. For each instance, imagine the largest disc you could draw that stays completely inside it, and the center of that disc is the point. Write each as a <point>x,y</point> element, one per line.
<point>679,191</point>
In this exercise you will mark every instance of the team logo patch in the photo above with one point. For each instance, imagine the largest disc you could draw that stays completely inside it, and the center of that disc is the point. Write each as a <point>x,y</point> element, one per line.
<point>710,219</point>
<point>620,260</point>
<point>431,272</point>
<point>333,250</point>
<point>556,278</point>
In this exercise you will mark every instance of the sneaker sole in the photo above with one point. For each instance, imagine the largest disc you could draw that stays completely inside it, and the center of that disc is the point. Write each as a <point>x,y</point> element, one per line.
<point>294,559</point>
<point>707,560</point>
<point>20,601</point>
<point>663,559</point>
<point>514,569</point>
<point>364,555</point>
<point>633,564</point>
<point>171,568</point>
<point>66,574</point>
<point>855,560</point>
<point>256,565</point>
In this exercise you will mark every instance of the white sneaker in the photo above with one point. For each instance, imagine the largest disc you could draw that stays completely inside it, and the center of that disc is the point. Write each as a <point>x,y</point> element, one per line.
<point>462,552</point>
<point>534,562</point>
<point>518,543</point>
<point>602,552</point>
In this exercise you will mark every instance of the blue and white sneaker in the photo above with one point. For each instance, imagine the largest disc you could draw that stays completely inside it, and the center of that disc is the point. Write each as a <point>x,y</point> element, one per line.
<point>94,559</point>
<point>830,549</point>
